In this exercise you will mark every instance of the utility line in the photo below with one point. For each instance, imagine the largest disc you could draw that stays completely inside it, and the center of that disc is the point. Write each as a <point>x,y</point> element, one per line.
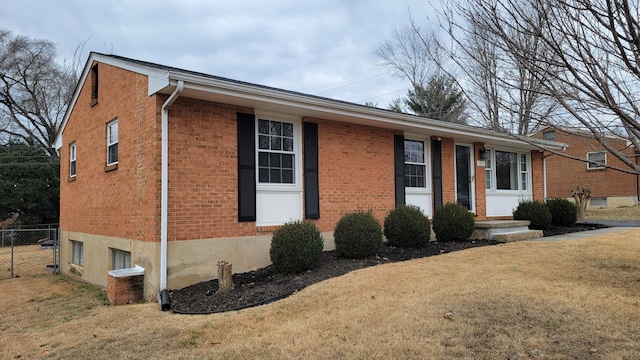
<point>355,82</point>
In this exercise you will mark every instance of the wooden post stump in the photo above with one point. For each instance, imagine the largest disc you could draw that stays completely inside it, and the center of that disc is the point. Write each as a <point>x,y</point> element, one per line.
<point>225,277</point>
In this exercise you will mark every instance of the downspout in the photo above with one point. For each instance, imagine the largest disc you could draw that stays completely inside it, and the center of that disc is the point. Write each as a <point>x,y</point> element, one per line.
<point>544,178</point>
<point>163,296</point>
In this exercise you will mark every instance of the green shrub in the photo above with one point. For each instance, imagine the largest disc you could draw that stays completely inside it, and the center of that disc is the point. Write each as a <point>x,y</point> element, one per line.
<point>357,235</point>
<point>534,211</point>
<point>453,222</point>
<point>296,246</point>
<point>406,226</point>
<point>563,212</point>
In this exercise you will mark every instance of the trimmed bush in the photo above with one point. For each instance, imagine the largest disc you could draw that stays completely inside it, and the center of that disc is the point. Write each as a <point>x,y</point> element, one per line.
<point>563,212</point>
<point>357,235</point>
<point>534,211</point>
<point>295,247</point>
<point>406,226</point>
<point>453,222</point>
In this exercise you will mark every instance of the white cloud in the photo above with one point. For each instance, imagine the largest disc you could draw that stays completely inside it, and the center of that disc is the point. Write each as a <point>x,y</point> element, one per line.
<point>306,46</point>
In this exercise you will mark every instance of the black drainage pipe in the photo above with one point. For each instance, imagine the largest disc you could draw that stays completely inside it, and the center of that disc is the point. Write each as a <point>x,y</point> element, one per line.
<point>165,300</point>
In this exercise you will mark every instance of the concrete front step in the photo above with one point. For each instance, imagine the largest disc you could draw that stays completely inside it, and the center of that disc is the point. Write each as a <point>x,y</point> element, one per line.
<point>504,231</point>
<point>517,236</point>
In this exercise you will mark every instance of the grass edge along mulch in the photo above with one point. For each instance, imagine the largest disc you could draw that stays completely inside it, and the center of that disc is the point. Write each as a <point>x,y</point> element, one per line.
<point>569,299</point>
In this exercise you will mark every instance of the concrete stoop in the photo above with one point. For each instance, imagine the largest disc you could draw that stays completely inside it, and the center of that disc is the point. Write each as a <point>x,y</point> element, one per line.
<point>504,231</point>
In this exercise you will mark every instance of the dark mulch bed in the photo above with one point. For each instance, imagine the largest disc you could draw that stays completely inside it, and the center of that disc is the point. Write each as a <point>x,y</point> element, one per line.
<point>264,285</point>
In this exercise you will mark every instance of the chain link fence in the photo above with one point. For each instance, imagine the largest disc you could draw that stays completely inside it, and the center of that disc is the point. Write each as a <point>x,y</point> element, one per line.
<point>29,251</point>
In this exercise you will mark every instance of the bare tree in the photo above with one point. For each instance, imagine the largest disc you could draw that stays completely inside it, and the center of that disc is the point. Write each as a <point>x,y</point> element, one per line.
<point>504,94</point>
<point>34,90</point>
<point>579,57</point>
<point>413,54</point>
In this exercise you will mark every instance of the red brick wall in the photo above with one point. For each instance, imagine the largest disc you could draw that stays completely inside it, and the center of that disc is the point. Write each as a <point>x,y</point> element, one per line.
<point>564,174</point>
<point>480,184</point>
<point>356,171</point>
<point>448,171</point>
<point>537,175</point>
<point>123,202</point>
<point>203,171</point>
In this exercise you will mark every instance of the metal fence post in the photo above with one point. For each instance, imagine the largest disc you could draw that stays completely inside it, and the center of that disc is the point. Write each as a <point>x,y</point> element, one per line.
<point>11,235</point>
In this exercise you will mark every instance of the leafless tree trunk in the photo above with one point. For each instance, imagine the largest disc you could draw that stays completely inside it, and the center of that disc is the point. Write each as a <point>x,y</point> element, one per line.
<point>34,90</point>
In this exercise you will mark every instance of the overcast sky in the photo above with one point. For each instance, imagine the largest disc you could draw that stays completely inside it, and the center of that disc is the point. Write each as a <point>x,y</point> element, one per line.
<point>316,47</point>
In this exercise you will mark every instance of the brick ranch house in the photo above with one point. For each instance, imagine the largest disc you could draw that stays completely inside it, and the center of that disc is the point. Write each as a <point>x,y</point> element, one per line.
<point>610,188</point>
<point>173,170</point>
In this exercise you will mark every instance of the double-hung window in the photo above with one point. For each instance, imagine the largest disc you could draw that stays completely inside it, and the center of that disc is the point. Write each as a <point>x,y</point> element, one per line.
<point>276,153</point>
<point>414,164</point>
<point>597,160</point>
<point>112,142</point>
<point>488,170</point>
<point>524,172</point>
<point>72,159</point>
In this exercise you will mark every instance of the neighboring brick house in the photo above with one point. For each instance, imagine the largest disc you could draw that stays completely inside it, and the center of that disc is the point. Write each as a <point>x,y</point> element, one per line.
<point>609,187</point>
<point>174,170</point>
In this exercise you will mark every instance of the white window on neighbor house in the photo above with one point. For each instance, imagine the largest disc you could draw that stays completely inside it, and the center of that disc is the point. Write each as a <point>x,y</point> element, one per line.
<point>72,159</point>
<point>276,152</point>
<point>488,170</point>
<point>120,259</point>
<point>112,142</point>
<point>77,252</point>
<point>414,164</point>
<point>596,160</point>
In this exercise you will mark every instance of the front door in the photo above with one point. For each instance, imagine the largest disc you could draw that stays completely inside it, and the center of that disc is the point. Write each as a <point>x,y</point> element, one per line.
<point>464,176</point>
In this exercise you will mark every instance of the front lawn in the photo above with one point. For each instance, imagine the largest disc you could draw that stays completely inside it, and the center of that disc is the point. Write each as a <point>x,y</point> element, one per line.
<point>524,300</point>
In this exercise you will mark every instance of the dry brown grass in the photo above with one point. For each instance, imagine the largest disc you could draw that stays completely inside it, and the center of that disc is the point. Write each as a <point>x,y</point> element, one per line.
<point>28,260</point>
<point>621,213</point>
<point>556,300</point>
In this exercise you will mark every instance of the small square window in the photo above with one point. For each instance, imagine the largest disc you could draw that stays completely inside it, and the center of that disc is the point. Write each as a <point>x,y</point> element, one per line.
<point>596,160</point>
<point>120,259</point>
<point>77,253</point>
<point>549,135</point>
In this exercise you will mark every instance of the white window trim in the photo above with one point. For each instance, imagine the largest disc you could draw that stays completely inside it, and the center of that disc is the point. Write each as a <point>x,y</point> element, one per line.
<point>494,182</point>
<point>297,152</point>
<point>427,165</point>
<point>596,167</point>
<point>109,144</point>
<point>491,168</point>
<point>524,171</point>
<point>72,159</point>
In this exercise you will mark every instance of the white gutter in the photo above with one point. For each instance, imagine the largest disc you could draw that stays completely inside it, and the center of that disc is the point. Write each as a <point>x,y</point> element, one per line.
<point>164,187</point>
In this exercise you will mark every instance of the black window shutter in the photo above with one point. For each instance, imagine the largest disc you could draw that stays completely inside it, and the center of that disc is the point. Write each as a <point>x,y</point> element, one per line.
<point>436,163</point>
<point>398,159</point>
<point>246,168</point>
<point>311,184</point>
